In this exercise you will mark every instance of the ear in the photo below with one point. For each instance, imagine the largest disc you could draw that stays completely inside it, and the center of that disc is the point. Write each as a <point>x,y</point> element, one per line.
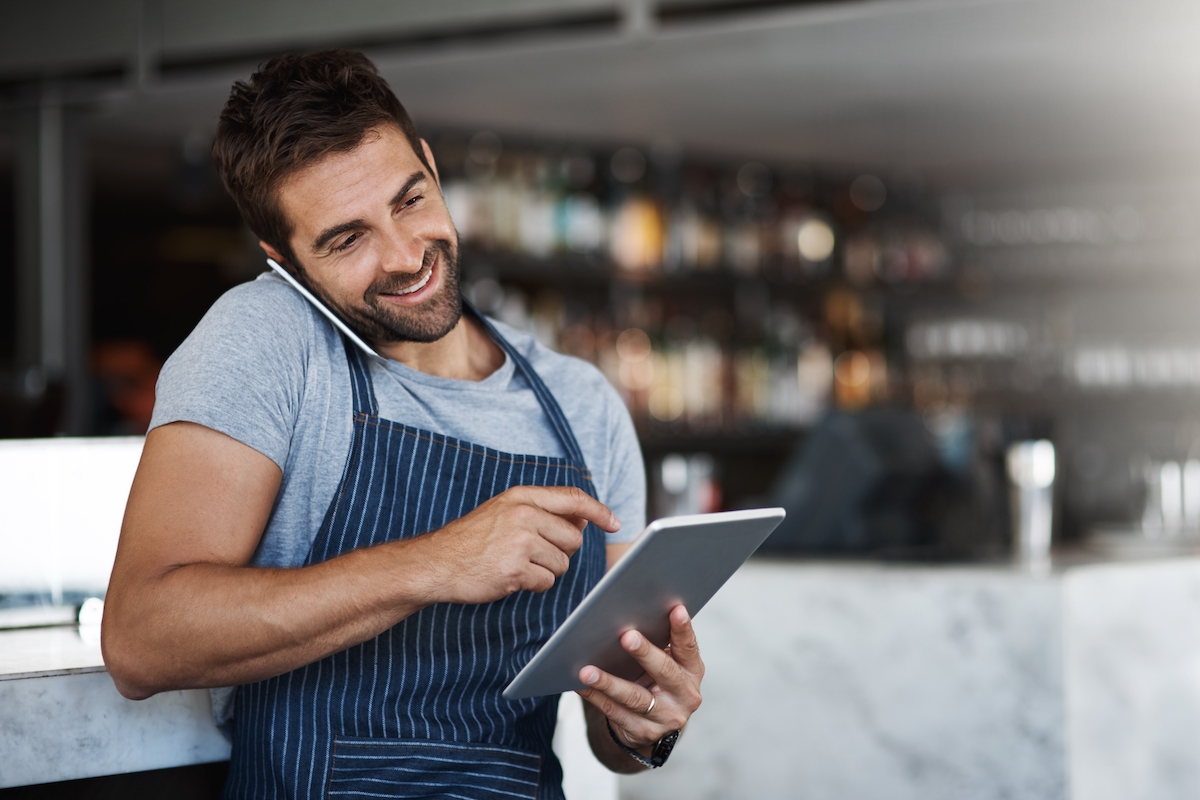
<point>272,253</point>
<point>429,158</point>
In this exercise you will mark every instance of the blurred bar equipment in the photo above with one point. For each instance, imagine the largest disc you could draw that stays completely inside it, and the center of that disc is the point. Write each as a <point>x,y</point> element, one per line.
<point>1031,467</point>
<point>686,484</point>
<point>1172,499</point>
<point>854,484</point>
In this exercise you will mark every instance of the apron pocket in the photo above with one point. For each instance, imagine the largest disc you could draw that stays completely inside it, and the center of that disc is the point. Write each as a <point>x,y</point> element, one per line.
<point>400,768</point>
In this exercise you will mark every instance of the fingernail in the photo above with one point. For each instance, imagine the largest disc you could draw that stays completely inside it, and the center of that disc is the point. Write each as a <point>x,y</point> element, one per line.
<point>634,641</point>
<point>590,675</point>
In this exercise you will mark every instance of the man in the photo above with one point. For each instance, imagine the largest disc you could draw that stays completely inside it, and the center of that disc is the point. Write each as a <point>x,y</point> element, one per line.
<point>370,548</point>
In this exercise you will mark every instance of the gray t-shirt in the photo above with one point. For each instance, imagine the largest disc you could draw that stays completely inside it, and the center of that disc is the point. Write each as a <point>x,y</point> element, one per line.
<point>265,368</point>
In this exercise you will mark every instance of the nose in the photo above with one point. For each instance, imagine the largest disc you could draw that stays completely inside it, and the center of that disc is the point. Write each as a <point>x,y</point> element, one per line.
<point>403,252</point>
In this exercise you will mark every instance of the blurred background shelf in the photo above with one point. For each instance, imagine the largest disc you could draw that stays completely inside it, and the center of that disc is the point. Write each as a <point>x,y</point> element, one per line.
<point>1002,204</point>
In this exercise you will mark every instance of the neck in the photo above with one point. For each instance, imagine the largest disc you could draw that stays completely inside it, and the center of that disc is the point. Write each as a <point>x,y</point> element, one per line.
<point>466,353</point>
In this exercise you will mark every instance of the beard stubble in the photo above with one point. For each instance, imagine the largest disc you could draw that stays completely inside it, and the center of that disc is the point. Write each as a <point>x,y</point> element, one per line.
<point>378,322</point>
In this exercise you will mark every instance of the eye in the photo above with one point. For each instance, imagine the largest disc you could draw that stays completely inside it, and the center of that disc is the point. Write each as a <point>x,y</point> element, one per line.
<point>412,201</point>
<point>351,239</point>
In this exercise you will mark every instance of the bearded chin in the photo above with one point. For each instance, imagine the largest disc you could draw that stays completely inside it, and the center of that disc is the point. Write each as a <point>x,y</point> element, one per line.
<point>380,323</point>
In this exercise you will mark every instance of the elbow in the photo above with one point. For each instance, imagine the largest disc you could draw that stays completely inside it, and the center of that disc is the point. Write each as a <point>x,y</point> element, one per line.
<point>131,691</point>
<point>127,668</point>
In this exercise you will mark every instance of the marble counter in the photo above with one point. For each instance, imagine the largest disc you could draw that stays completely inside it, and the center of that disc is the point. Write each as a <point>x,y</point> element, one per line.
<point>61,718</point>
<point>824,681</point>
<point>830,680</point>
<point>45,652</point>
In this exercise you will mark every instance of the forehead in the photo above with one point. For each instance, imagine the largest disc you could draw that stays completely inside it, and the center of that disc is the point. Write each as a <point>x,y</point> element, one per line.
<point>348,185</point>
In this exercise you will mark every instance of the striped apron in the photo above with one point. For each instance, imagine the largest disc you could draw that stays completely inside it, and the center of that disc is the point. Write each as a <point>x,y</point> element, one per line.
<point>417,711</point>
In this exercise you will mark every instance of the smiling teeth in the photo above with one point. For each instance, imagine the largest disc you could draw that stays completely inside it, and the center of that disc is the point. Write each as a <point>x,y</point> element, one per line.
<point>418,286</point>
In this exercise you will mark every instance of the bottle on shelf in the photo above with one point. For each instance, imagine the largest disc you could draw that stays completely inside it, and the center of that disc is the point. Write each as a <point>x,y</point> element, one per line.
<point>752,354</point>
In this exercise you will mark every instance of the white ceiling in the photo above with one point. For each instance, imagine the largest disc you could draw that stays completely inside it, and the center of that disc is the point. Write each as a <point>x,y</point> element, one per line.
<point>959,91</point>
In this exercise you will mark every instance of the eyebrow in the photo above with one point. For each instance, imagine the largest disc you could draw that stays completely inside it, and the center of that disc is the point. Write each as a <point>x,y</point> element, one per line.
<point>329,234</point>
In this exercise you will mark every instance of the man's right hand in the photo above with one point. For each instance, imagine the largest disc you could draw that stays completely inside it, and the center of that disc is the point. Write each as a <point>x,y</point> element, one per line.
<point>520,539</point>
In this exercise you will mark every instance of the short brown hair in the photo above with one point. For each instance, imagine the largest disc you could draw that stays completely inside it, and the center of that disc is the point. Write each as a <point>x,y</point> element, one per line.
<point>295,110</point>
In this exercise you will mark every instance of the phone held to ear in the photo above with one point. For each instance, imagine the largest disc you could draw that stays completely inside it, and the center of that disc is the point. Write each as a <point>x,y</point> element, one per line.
<point>306,294</point>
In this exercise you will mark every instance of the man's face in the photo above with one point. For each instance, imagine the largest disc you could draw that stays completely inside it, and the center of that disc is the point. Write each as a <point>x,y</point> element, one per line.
<point>375,241</point>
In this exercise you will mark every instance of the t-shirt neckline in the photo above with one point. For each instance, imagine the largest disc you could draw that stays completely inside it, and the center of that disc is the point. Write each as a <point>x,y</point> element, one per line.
<point>498,381</point>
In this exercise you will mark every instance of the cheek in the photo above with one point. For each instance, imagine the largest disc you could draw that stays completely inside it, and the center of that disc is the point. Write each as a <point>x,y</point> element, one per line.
<point>350,277</point>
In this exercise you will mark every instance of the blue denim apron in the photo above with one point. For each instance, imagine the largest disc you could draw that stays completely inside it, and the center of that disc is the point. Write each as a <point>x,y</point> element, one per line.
<point>417,711</point>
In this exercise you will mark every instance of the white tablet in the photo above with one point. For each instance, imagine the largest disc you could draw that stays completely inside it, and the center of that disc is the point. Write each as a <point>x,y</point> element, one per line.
<point>676,560</point>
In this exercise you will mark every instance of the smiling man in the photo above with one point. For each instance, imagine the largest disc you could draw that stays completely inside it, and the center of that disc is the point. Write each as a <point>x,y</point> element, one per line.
<point>371,548</point>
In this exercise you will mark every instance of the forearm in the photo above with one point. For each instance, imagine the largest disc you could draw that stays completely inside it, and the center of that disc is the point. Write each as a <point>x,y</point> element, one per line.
<point>605,749</point>
<point>184,611</point>
<point>207,624</point>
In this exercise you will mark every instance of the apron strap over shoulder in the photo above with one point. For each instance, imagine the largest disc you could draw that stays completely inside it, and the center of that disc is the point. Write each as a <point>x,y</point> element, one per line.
<point>558,420</point>
<point>364,391</point>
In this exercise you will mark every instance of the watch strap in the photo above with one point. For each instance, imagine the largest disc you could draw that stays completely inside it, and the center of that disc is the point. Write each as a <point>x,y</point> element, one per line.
<point>658,756</point>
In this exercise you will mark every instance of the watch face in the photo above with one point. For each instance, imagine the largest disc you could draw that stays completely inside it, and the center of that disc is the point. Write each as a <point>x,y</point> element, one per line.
<point>658,756</point>
<point>663,749</point>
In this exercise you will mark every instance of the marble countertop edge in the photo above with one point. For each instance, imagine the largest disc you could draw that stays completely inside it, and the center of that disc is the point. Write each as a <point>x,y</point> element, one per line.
<point>31,653</point>
<point>51,673</point>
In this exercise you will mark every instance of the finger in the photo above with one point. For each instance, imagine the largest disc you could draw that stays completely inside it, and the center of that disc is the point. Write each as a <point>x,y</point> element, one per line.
<point>684,648</point>
<point>558,532</point>
<point>634,729</point>
<point>628,694</point>
<point>572,502</point>
<point>677,686</point>
<point>537,578</point>
<point>549,557</point>
<point>658,665</point>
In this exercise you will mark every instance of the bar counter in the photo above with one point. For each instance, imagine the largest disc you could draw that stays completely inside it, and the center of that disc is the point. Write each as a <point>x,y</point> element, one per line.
<point>825,680</point>
<point>904,682</point>
<point>61,718</point>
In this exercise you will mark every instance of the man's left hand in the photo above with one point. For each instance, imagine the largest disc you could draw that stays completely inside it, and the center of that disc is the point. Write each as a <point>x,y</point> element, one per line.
<point>671,679</point>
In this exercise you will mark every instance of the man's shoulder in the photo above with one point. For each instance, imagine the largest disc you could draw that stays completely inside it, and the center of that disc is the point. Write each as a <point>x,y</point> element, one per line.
<point>248,367</point>
<point>263,303</point>
<point>258,334</point>
<point>260,318</point>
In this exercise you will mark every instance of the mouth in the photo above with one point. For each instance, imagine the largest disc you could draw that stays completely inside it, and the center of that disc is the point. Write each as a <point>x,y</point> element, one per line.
<point>419,291</point>
<point>418,286</point>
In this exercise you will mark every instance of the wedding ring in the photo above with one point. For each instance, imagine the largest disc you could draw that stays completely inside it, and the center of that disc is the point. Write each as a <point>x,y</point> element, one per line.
<point>653,700</point>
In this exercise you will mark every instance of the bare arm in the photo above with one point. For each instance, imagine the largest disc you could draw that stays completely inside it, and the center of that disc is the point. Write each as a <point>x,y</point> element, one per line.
<point>184,610</point>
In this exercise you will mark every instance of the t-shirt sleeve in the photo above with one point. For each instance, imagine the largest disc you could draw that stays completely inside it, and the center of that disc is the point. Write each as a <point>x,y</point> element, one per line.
<point>241,371</point>
<point>626,471</point>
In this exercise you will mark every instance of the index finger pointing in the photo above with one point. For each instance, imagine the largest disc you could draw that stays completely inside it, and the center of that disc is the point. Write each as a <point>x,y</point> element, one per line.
<point>572,502</point>
<point>684,648</point>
